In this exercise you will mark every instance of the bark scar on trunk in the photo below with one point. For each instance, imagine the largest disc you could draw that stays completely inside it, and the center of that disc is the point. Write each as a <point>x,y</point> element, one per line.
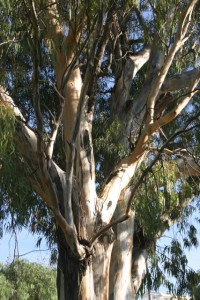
<point>85,144</point>
<point>87,261</point>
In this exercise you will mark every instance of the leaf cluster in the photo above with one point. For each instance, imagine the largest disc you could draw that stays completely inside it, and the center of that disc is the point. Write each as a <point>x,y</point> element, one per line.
<point>157,195</point>
<point>107,145</point>
<point>7,125</point>
<point>167,266</point>
<point>19,204</point>
<point>22,280</point>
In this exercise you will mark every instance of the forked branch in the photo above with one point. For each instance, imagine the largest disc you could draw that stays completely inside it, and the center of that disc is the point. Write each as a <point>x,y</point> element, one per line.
<point>167,118</point>
<point>180,39</point>
<point>26,142</point>
<point>187,167</point>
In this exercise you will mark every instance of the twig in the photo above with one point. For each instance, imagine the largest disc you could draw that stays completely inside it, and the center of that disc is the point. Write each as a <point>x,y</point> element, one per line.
<point>9,41</point>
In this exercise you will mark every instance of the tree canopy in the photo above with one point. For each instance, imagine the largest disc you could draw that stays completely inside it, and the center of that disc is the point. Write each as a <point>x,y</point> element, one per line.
<point>99,127</point>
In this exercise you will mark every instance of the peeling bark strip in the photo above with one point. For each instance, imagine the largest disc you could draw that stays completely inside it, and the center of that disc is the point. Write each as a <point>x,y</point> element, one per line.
<point>100,257</point>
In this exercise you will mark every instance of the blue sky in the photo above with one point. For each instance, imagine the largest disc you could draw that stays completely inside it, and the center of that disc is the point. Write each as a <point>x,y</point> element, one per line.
<point>24,245</point>
<point>26,248</point>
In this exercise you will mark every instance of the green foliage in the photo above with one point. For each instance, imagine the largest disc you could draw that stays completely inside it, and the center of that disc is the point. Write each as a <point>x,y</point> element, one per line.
<point>168,265</point>
<point>174,262</point>
<point>17,198</point>
<point>7,125</point>
<point>158,195</point>
<point>22,280</point>
<point>107,144</point>
<point>110,139</point>
<point>6,288</point>
<point>19,205</point>
<point>160,199</point>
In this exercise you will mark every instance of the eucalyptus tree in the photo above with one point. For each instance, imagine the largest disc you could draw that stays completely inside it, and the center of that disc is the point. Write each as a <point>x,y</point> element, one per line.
<point>99,121</point>
<point>24,280</point>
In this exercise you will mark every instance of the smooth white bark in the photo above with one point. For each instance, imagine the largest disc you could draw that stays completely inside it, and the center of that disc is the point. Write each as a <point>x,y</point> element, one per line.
<point>123,286</point>
<point>139,268</point>
<point>179,81</point>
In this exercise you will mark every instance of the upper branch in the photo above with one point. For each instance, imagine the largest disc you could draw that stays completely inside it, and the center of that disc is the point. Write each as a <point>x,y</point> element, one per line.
<point>124,171</point>
<point>187,165</point>
<point>26,142</point>
<point>35,81</point>
<point>167,118</point>
<point>179,81</point>
<point>180,39</point>
<point>131,67</point>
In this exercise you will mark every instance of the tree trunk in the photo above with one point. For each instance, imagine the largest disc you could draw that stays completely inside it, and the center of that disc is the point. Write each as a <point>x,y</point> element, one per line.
<point>107,272</point>
<point>105,275</point>
<point>121,284</point>
<point>68,278</point>
<point>74,279</point>
<point>87,278</point>
<point>114,271</point>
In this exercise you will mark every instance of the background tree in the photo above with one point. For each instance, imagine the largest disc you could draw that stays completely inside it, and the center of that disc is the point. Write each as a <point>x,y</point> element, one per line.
<point>23,280</point>
<point>99,133</point>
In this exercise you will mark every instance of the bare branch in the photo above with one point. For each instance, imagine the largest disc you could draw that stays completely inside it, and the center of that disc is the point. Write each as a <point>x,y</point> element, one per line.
<point>51,140</point>
<point>135,115</point>
<point>170,152</point>
<point>127,167</point>
<point>36,94</point>
<point>8,101</point>
<point>79,114</point>
<point>56,123</point>
<point>165,217</point>
<point>120,178</point>
<point>187,166</point>
<point>106,227</point>
<point>180,39</point>
<point>178,108</point>
<point>95,56</point>
<point>141,19</point>
<point>133,64</point>
<point>26,141</point>
<point>9,42</point>
<point>179,81</point>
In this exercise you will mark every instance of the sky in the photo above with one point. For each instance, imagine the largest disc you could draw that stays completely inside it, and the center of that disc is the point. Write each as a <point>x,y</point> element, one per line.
<point>26,248</point>
<point>193,255</point>
<point>24,245</point>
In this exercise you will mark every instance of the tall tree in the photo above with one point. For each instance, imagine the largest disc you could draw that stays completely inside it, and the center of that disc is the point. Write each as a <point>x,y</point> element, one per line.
<point>99,113</point>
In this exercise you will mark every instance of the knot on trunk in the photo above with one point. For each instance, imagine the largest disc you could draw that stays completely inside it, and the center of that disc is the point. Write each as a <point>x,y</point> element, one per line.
<point>83,264</point>
<point>107,237</point>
